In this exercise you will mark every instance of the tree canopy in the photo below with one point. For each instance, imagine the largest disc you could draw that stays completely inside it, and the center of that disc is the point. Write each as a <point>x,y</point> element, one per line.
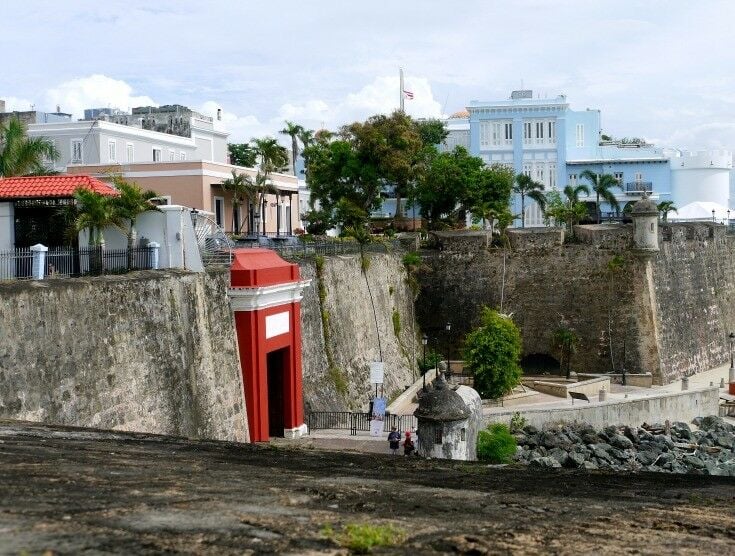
<point>21,155</point>
<point>242,154</point>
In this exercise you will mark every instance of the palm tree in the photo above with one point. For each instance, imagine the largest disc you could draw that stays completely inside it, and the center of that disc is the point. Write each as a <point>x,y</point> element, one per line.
<point>273,158</point>
<point>526,187</point>
<point>293,130</point>
<point>575,209</point>
<point>306,136</point>
<point>132,202</point>
<point>21,155</point>
<point>665,207</point>
<point>601,185</point>
<point>243,191</point>
<point>95,212</point>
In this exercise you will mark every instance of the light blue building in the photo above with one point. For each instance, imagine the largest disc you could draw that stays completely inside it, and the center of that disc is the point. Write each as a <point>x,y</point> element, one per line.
<point>547,140</point>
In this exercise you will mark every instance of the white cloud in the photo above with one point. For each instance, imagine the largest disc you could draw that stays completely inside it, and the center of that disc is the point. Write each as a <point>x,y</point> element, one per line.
<point>13,104</point>
<point>240,128</point>
<point>94,91</point>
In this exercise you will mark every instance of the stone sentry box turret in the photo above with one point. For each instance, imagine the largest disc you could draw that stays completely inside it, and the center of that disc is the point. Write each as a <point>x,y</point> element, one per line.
<point>448,422</point>
<point>645,225</point>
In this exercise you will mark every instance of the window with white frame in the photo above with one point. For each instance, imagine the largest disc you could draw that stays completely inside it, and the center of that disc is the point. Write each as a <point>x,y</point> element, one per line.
<point>157,154</point>
<point>573,179</point>
<point>552,175</point>
<point>619,177</point>
<point>638,176</point>
<point>112,150</point>
<point>551,125</point>
<point>182,155</point>
<point>485,133</point>
<point>540,133</point>
<point>580,135</point>
<point>527,133</point>
<point>130,153</point>
<point>496,139</point>
<point>171,155</point>
<point>76,151</point>
<point>508,135</point>
<point>527,169</point>
<point>540,174</point>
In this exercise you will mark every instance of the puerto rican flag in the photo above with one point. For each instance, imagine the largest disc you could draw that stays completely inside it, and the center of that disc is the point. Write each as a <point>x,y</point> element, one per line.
<point>408,94</point>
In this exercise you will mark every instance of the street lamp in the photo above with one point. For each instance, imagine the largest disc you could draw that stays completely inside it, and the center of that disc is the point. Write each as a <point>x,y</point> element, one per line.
<point>732,361</point>
<point>448,328</point>
<point>713,215</point>
<point>194,213</point>
<point>424,341</point>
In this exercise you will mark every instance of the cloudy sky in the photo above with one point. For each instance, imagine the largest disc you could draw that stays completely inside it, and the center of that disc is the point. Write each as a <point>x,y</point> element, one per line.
<point>659,69</point>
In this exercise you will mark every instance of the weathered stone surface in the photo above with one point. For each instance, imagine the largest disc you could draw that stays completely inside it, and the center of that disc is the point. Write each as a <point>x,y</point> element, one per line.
<point>147,351</point>
<point>545,463</point>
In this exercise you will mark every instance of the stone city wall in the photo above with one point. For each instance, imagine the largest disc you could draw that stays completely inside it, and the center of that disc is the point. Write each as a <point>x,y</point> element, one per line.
<point>149,351</point>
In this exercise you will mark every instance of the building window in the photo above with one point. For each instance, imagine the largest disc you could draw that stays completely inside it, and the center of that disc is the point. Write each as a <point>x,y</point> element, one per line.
<point>638,176</point>
<point>157,155</point>
<point>573,179</point>
<point>76,151</point>
<point>171,155</point>
<point>540,174</point>
<point>112,150</point>
<point>485,129</point>
<point>552,175</point>
<point>527,170</point>
<point>539,133</point>
<point>580,135</point>
<point>463,435</point>
<point>182,155</point>
<point>552,132</point>
<point>509,133</point>
<point>619,177</point>
<point>130,152</point>
<point>438,435</point>
<point>527,133</point>
<point>219,211</point>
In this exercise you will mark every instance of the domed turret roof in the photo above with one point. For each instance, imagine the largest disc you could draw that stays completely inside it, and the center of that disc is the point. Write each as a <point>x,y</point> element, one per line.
<point>645,207</point>
<point>442,404</point>
<point>460,114</point>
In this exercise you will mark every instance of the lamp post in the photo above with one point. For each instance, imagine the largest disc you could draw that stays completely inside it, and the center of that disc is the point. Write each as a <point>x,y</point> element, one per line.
<point>448,328</point>
<point>713,215</point>
<point>424,341</point>
<point>194,213</point>
<point>732,358</point>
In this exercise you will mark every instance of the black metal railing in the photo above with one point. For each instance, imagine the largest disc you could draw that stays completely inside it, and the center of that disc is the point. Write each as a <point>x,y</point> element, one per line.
<point>356,422</point>
<point>304,249</point>
<point>639,187</point>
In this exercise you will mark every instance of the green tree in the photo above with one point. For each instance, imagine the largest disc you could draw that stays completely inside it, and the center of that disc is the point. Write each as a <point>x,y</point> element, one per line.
<point>21,155</point>
<point>526,187</point>
<point>602,185</point>
<point>128,206</point>
<point>492,353</point>
<point>244,192</point>
<point>242,154</point>
<point>488,195</point>
<point>432,132</point>
<point>665,207</point>
<point>271,157</point>
<point>565,341</point>
<point>293,131</point>
<point>567,210</point>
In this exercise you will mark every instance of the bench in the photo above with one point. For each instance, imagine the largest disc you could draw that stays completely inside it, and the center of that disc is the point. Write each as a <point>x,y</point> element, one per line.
<point>579,396</point>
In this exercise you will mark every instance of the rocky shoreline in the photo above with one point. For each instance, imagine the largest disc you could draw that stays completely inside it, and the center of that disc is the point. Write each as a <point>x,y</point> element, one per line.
<point>705,448</point>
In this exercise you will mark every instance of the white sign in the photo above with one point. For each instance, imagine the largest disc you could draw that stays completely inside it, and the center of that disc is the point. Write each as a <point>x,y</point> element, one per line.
<point>277,324</point>
<point>377,371</point>
<point>376,427</point>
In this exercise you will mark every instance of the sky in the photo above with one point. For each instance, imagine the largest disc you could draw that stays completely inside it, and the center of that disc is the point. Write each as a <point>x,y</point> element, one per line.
<point>660,70</point>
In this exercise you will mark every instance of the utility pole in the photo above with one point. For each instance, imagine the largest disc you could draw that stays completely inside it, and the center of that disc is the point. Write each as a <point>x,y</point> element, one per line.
<point>400,89</point>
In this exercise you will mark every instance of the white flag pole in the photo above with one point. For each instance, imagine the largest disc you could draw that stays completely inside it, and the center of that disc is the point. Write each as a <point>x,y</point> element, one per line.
<point>400,92</point>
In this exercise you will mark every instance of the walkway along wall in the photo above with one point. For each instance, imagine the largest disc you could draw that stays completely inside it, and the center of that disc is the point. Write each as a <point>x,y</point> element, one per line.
<point>149,351</point>
<point>668,314</point>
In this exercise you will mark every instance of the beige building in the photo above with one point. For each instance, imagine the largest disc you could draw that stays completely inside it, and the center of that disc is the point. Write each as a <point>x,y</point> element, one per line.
<point>197,184</point>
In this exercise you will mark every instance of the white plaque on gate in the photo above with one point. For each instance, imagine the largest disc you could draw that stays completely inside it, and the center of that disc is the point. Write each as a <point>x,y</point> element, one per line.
<point>277,324</point>
<point>377,370</point>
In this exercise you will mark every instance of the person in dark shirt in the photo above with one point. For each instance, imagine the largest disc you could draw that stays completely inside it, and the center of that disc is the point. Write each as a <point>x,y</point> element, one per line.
<point>394,440</point>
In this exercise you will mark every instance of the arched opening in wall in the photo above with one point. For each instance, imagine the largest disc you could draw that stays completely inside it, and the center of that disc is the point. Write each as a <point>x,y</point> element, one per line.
<point>540,364</point>
<point>627,210</point>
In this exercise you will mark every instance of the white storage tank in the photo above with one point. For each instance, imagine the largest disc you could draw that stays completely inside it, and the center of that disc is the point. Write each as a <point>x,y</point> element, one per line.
<point>701,176</point>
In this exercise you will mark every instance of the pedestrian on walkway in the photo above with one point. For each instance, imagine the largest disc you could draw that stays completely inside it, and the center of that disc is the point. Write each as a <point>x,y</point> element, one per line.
<point>408,446</point>
<point>394,440</point>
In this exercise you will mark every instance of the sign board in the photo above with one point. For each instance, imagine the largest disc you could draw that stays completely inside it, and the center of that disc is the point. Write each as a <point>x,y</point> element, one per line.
<point>376,427</point>
<point>377,371</point>
<point>377,417</point>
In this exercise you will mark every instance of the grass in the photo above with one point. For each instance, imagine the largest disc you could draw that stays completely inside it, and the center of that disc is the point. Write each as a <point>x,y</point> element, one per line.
<point>496,444</point>
<point>362,538</point>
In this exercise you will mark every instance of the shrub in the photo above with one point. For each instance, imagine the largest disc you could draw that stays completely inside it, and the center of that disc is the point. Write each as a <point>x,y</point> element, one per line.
<point>396,323</point>
<point>361,539</point>
<point>432,360</point>
<point>496,444</point>
<point>517,422</point>
<point>492,353</point>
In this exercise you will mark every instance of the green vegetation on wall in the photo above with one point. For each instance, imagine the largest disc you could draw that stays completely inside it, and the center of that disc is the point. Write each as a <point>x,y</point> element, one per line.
<point>336,375</point>
<point>397,323</point>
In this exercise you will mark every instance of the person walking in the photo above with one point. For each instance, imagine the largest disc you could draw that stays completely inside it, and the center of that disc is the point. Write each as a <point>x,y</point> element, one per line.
<point>394,440</point>
<point>408,446</point>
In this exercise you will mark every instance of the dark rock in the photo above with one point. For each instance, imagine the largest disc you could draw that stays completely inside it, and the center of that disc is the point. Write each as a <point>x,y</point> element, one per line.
<point>575,459</point>
<point>560,455</point>
<point>590,438</point>
<point>713,422</point>
<point>631,434</point>
<point>530,430</point>
<point>693,461</point>
<point>724,439</point>
<point>589,466</point>
<point>697,421</point>
<point>664,441</point>
<point>548,439</point>
<point>646,457</point>
<point>622,442</point>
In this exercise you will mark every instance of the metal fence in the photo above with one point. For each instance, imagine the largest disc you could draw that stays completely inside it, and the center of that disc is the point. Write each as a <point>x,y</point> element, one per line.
<point>64,262</point>
<point>356,422</point>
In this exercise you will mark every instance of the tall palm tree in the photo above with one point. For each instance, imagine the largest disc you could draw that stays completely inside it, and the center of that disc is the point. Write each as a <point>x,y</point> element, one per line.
<point>575,209</point>
<point>601,185</point>
<point>95,212</point>
<point>132,202</point>
<point>243,191</point>
<point>293,131</point>
<point>272,158</point>
<point>526,187</point>
<point>21,155</point>
<point>665,207</point>
<point>306,136</point>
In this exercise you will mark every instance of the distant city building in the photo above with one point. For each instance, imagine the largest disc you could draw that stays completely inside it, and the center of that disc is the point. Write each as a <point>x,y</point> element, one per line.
<point>33,116</point>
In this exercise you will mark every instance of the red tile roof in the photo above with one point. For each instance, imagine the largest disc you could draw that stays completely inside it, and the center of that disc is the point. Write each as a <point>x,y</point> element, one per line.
<point>45,187</point>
